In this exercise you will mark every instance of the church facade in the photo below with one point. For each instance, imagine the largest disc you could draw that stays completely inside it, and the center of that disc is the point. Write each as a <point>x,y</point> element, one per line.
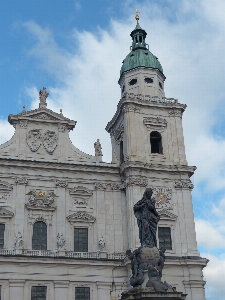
<point>66,217</point>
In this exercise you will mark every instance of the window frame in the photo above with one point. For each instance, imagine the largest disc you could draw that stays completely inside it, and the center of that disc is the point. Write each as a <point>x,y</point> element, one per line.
<point>165,227</point>
<point>4,236</point>
<point>46,235</point>
<point>39,286</point>
<point>170,224</point>
<point>160,145</point>
<point>88,233</point>
<point>83,287</point>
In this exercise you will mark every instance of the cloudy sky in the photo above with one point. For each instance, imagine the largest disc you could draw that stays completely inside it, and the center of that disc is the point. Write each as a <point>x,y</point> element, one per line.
<point>75,49</point>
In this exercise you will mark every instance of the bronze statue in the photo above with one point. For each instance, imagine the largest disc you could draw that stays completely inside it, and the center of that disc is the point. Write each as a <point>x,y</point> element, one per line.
<point>147,218</point>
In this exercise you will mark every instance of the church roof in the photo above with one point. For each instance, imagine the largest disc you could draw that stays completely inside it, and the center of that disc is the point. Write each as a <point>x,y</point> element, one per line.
<point>140,56</point>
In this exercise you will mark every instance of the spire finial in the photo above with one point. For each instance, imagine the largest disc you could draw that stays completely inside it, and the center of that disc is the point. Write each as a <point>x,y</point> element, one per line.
<point>137,14</point>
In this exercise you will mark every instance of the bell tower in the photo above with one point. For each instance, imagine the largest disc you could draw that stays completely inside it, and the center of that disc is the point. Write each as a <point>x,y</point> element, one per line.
<point>148,146</point>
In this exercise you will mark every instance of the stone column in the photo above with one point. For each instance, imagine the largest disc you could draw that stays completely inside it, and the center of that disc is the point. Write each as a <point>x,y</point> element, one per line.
<point>61,210</point>
<point>20,222</point>
<point>16,287</point>
<point>61,290</point>
<point>101,212</point>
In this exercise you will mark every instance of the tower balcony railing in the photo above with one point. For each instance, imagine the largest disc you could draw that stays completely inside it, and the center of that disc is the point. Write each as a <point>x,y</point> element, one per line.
<point>63,253</point>
<point>148,98</point>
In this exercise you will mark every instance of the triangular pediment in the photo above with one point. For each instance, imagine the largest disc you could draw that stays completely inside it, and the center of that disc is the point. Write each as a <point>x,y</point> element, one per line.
<point>43,115</point>
<point>4,213</point>
<point>167,215</point>
<point>81,216</point>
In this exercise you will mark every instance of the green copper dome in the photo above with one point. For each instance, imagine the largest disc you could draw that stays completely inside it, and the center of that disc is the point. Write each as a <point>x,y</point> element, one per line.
<point>140,56</point>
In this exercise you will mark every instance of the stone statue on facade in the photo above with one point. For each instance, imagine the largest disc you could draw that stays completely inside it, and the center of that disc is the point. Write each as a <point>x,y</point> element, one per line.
<point>147,261</point>
<point>98,148</point>
<point>43,94</point>
<point>18,240</point>
<point>147,218</point>
<point>101,244</point>
<point>61,242</point>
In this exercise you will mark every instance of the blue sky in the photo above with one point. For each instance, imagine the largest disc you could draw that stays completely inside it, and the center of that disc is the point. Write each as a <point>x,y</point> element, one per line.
<point>75,49</point>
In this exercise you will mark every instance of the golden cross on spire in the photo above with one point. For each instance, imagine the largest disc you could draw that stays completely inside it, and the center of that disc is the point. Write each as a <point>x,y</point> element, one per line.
<point>137,14</point>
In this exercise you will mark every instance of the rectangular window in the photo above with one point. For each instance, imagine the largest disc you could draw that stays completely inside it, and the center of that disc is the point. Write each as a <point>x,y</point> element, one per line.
<point>82,293</point>
<point>38,292</point>
<point>164,236</point>
<point>81,239</point>
<point>2,233</point>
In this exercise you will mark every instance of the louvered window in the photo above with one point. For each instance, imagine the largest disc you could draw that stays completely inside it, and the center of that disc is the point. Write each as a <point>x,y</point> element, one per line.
<point>82,293</point>
<point>38,292</point>
<point>39,239</point>
<point>81,239</point>
<point>2,233</point>
<point>164,236</point>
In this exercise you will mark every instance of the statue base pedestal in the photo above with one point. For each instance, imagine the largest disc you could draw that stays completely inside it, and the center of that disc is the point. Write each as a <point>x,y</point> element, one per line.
<point>146,294</point>
<point>19,251</point>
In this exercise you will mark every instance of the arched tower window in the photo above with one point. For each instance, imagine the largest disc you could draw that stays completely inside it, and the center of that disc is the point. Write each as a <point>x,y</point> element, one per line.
<point>156,142</point>
<point>121,152</point>
<point>39,239</point>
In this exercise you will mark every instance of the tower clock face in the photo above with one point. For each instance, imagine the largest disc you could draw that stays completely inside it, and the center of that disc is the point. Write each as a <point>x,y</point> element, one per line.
<point>163,200</point>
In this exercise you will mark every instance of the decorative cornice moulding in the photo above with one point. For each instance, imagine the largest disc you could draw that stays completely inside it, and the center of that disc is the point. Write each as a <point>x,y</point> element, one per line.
<point>4,213</point>
<point>81,216</point>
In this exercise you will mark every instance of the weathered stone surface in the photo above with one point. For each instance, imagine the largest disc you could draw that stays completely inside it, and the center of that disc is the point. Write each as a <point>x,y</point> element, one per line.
<point>150,295</point>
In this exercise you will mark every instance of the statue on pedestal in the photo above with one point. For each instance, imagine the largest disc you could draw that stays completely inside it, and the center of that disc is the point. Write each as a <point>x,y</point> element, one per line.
<point>147,218</point>
<point>147,261</point>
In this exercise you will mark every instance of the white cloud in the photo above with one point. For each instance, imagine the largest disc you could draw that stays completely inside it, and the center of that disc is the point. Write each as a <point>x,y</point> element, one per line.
<point>209,235</point>
<point>6,131</point>
<point>77,6</point>
<point>192,55</point>
<point>213,273</point>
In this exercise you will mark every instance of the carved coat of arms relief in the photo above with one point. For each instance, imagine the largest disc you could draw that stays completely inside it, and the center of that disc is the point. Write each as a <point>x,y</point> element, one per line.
<point>35,139</point>
<point>50,141</point>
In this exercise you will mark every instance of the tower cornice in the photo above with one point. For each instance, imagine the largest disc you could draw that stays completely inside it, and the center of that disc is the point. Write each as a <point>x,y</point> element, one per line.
<point>136,101</point>
<point>147,167</point>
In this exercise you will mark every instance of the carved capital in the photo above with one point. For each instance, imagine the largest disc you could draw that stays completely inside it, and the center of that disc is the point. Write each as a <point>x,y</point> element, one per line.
<point>118,133</point>
<point>141,181</point>
<point>183,184</point>
<point>21,180</point>
<point>61,183</point>
<point>23,123</point>
<point>117,186</point>
<point>100,185</point>
<point>175,113</point>
<point>62,127</point>
<point>130,108</point>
